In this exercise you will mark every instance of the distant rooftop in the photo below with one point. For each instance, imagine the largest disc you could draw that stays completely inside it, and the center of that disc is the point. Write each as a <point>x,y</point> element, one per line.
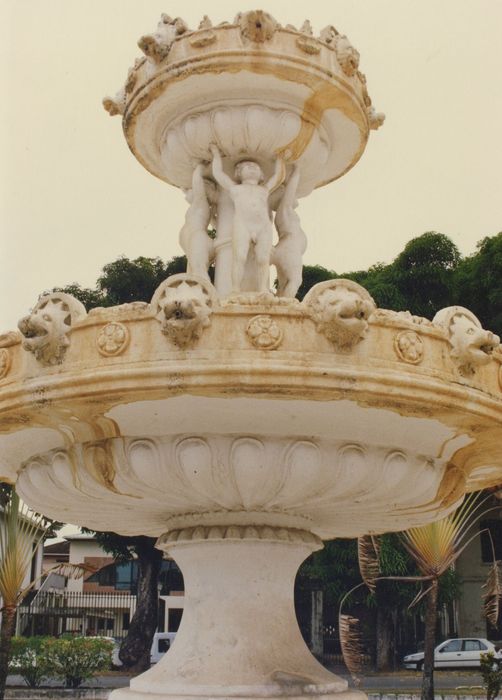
<point>57,548</point>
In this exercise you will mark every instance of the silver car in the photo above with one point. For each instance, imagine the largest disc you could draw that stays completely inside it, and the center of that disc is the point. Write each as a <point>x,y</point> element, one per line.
<point>454,653</point>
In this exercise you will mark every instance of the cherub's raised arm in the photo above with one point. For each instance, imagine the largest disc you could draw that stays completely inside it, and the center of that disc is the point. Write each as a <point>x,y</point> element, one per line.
<point>278,177</point>
<point>219,175</point>
<point>289,196</point>
<point>198,187</point>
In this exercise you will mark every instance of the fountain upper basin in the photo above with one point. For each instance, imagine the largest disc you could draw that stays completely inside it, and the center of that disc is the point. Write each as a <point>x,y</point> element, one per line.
<point>261,423</point>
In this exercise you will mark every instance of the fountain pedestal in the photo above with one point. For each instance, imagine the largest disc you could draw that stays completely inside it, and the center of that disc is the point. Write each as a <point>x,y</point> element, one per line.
<point>239,636</point>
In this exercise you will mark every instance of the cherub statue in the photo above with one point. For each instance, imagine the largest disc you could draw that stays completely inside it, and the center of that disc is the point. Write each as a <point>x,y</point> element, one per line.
<point>252,224</point>
<point>194,239</point>
<point>287,254</point>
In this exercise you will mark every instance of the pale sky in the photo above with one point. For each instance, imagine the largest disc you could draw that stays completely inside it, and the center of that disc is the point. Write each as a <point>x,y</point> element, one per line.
<point>72,197</point>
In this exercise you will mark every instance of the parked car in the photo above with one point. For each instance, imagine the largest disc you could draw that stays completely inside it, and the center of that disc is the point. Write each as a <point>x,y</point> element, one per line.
<point>161,643</point>
<point>454,653</point>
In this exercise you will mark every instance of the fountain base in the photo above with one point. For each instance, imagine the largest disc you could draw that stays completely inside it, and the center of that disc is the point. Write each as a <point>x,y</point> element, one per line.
<point>239,637</point>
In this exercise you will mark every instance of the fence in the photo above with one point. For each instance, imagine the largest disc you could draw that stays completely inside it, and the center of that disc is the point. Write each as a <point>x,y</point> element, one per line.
<point>56,612</point>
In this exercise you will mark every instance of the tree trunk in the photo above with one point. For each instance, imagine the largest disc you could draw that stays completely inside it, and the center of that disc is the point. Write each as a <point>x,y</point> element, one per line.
<point>431,601</point>
<point>384,651</point>
<point>6,633</point>
<point>135,650</point>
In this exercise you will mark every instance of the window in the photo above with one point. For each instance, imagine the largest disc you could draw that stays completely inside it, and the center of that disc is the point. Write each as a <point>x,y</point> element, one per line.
<point>474,645</point>
<point>122,577</point>
<point>454,645</point>
<point>163,645</point>
<point>171,577</point>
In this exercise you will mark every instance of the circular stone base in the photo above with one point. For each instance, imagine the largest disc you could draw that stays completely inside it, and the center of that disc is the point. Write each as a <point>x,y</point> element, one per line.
<point>289,689</point>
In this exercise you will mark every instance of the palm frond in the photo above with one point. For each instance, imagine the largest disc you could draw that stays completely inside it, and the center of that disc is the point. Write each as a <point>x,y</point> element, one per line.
<point>74,571</point>
<point>369,563</point>
<point>493,594</point>
<point>351,644</point>
<point>437,545</point>
<point>351,639</point>
<point>420,595</point>
<point>21,534</point>
<point>66,569</point>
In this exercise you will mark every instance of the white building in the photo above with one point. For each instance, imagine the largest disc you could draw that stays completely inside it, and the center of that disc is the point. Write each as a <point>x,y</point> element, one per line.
<point>104,600</point>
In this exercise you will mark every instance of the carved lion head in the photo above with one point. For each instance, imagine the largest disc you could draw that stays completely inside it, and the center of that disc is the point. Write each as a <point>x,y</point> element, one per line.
<point>471,345</point>
<point>46,329</point>
<point>340,309</point>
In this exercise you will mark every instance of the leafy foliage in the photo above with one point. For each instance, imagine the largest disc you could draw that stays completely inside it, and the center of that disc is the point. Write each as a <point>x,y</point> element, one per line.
<point>123,281</point>
<point>424,271</point>
<point>478,283</point>
<point>313,274</point>
<point>75,659</point>
<point>491,672</point>
<point>28,661</point>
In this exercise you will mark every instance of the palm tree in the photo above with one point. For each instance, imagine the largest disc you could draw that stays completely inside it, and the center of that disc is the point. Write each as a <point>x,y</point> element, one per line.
<point>21,533</point>
<point>434,548</point>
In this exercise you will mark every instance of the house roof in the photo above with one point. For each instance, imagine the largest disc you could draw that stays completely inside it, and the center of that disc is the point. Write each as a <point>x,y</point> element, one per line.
<point>57,548</point>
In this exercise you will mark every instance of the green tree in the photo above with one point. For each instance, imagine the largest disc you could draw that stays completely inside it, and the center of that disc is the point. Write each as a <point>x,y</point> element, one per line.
<point>424,273</point>
<point>135,650</point>
<point>312,274</point>
<point>478,283</point>
<point>123,281</point>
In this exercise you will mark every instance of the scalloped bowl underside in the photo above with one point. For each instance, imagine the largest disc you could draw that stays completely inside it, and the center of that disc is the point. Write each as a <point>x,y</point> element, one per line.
<point>331,467</point>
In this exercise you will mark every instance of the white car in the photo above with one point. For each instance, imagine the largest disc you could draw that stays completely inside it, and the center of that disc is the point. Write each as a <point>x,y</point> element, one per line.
<point>454,653</point>
<point>161,643</point>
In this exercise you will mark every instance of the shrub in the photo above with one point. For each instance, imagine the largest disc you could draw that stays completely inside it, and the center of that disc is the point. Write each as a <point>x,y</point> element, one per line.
<point>491,670</point>
<point>78,658</point>
<point>27,659</point>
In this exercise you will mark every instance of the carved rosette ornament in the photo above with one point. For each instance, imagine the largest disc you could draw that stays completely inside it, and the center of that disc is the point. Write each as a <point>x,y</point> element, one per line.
<point>264,332</point>
<point>47,328</point>
<point>183,304</point>
<point>470,345</point>
<point>409,347</point>
<point>340,309</point>
<point>5,362</point>
<point>112,339</point>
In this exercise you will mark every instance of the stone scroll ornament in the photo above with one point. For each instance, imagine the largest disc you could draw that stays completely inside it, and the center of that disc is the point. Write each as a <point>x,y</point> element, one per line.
<point>47,328</point>
<point>340,309</point>
<point>183,304</point>
<point>470,345</point>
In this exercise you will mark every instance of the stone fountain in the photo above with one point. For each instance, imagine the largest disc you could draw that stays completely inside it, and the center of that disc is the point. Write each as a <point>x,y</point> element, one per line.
<point>240,426</point>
